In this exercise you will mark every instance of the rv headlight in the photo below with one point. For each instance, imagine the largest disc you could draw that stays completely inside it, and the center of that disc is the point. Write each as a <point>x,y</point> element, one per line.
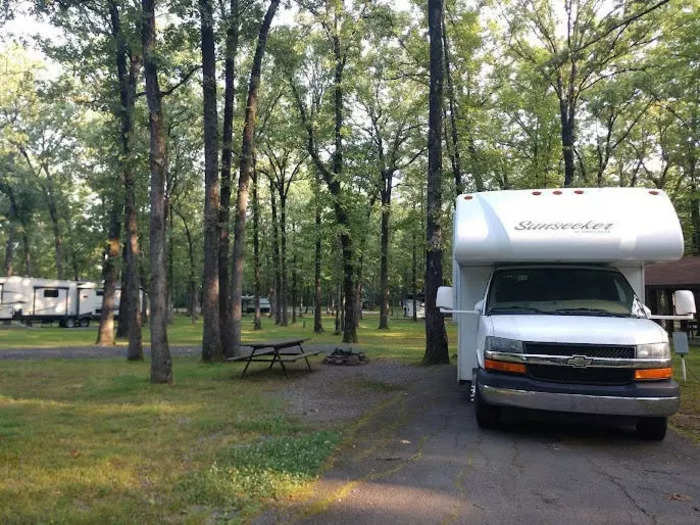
<point>502,344</point>
<point>654,351</point>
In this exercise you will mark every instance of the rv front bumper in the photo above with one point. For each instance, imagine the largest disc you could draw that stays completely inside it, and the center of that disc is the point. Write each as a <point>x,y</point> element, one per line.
<point>641,399</point>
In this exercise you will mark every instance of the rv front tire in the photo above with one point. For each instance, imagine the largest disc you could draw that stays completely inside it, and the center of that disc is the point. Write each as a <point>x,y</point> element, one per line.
<point>652,428</point>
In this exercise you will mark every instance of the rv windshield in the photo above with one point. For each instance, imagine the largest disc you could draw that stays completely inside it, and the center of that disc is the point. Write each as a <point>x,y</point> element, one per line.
<point>561,291</point>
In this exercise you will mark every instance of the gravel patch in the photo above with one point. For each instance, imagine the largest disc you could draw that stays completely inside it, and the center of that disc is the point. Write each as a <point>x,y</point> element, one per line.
<point>333,394</point>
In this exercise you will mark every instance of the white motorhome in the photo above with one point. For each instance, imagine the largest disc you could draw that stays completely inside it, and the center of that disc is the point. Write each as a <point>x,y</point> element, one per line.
<point>549,300</point>
<point>31,299</point>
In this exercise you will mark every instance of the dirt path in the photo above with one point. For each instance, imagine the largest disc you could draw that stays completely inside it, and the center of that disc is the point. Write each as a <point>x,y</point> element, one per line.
<point>420,458</point>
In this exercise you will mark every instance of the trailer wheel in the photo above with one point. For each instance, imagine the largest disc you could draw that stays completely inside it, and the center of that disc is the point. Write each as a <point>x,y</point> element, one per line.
<point>487,415</point>
<point>652,428</point>
<point>70,323</point>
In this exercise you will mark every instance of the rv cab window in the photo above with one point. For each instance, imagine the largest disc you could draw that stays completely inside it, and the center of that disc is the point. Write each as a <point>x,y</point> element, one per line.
<point>51,293</point>
<point>561,291</point>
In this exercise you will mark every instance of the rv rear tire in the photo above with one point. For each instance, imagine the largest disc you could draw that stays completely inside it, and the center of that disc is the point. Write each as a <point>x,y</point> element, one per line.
<point>85,322</point>
<point>652,428</point>
<point>70,322</point>
<point>487,416</point>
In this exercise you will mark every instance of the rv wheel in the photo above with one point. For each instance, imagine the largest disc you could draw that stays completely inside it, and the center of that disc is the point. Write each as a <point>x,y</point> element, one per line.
<point>652,428</point>
<point>487,416</point>
<point>85,322</point>
<point>70,323</point>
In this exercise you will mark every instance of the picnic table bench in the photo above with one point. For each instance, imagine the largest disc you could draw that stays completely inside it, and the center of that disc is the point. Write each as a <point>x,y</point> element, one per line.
<point>273,352</point>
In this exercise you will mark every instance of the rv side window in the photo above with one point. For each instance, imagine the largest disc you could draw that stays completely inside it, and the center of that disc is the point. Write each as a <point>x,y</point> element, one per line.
<point>99,293</point>
<point>51,293</point>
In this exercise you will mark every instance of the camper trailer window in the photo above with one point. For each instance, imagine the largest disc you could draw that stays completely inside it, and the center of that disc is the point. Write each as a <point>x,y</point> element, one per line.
<point>561,291</point>
<point>51,293</point>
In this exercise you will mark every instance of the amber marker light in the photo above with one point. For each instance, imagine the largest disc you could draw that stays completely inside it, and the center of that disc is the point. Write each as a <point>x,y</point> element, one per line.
<point>503,366</point>
<point>653,373</point>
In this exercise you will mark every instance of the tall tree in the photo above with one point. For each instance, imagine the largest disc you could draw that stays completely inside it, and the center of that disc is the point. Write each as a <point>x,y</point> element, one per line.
<point>247,153</point>
<point>435,334</point>
<point>590,49</point>
<point>211,334</point>
<point>231,50</point>
<point>161,362</point>
<point>318,324</point>
<point>128,65</point>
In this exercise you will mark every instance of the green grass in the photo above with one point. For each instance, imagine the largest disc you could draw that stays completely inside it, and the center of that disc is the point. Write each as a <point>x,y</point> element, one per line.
<point>687,420</point>
<point>405,340</point>
<point>85,441</point>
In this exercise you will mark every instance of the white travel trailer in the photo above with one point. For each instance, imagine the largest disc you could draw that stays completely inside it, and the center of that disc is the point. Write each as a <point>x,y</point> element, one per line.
<point>407,305</point>
<point>549,298</point>
<point>30,299</point>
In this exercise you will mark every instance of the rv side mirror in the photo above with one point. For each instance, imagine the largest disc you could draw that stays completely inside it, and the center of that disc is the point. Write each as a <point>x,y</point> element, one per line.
<point>444,298</point>
<point>479,306</point>
<point>683,302</point>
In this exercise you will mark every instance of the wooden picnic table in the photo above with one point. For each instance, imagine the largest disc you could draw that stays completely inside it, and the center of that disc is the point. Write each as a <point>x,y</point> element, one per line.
<point>272,352</point>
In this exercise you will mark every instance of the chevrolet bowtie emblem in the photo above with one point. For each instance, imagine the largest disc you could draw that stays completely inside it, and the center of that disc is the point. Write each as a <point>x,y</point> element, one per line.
<point>579,361</point>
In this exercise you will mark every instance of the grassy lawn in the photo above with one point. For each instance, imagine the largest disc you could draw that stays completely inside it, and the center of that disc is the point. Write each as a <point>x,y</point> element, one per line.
<point>405,340</point>
<point>85,441</point>
<point>688,418</point>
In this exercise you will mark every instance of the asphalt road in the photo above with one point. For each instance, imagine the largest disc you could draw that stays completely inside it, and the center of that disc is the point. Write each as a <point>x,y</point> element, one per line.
<point>422,459</point>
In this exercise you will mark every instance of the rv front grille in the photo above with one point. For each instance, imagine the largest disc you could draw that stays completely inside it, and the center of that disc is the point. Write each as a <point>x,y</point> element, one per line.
<point>590,376</point>
<point>565,349</point>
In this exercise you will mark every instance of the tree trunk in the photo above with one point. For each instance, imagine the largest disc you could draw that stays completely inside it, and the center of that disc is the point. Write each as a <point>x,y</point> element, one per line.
<point>275,255</point>
<point>123,325</point>
<point>257,322</point>
<point>387,181</point>
<point>211,336</point>
<point>128,65</point>
<point>105,331</point>
<point>294,284</point>
<point>55,228</point>
<point>283,297</point>
<point>225,305</point>
<point>9,250</point>
<point>318,324</point>
<point>247,152</point>
<point>435,334</point>
<point>132,316</point>
<point>11,231</point>
<point>454,136</point>
<point>26,248</point>
<point>566,117</point>
<point>161,363</point>
<point>192,281</point>
<point>414,272</point>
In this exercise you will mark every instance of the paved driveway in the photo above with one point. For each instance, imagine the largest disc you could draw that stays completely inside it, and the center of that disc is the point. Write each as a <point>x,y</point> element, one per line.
<point>421,459</point>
